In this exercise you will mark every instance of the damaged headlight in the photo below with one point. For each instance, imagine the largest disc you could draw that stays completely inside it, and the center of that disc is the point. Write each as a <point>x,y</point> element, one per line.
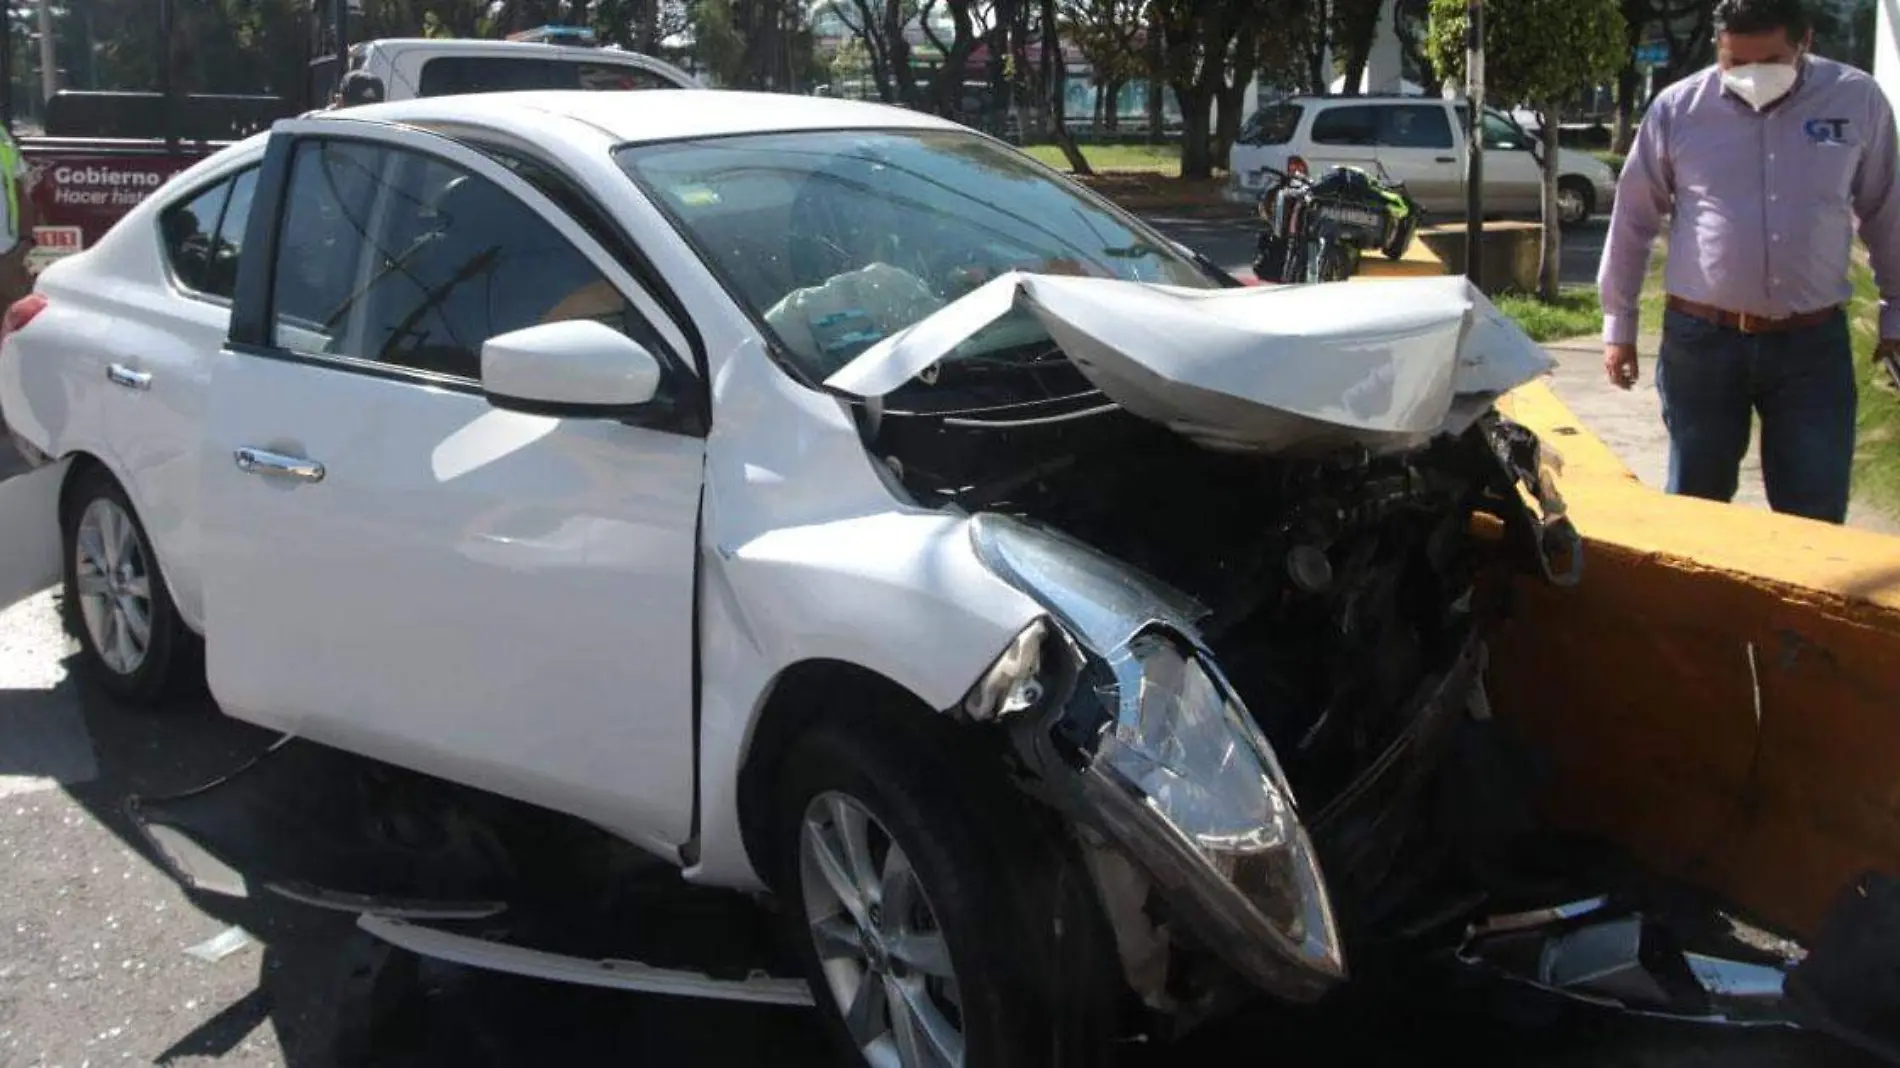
<point>1166,761</point>
<point>1188,753</point>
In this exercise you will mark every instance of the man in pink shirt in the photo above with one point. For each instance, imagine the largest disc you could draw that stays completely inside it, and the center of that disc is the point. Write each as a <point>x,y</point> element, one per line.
<point>1763,166</point>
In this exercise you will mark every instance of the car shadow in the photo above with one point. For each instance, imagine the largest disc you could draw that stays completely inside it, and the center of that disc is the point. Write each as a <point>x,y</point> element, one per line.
<point>330,994</point>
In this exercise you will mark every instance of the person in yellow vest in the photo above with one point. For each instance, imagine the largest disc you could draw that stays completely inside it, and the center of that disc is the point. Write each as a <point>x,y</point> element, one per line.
<point>17,239</point>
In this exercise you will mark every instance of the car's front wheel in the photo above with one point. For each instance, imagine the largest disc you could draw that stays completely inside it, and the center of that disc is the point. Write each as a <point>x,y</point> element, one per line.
<point>116,600</point>
<point>935,927</point>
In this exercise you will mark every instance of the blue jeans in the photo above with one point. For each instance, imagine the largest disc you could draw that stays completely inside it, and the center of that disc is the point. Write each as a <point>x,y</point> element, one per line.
<point>1713,380</point>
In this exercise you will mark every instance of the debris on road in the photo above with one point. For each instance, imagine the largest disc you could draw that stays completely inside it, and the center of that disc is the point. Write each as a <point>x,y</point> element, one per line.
<point>220,945</point>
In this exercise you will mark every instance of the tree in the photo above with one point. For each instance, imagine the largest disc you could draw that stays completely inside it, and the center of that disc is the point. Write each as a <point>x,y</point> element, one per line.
<point>1210,50</point>
<point>1054,79</point>
<point>1108,34</point>
<point>1354,25</point>
<point>1536,52</point>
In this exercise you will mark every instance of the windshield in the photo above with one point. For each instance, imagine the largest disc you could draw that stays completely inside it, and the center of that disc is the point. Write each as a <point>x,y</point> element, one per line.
<point>835,239</point>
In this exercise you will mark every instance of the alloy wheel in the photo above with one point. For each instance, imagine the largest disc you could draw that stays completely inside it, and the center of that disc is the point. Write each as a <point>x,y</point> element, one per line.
<point>114,581</point>
<point>882,951</point>
<point>1570,206</point>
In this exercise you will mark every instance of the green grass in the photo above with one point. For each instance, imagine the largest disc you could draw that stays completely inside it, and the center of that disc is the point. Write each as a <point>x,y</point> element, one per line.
<point>1160,159</point>
<point>1615,161</point>
<point>1877,457</point>
<point>1575,313</point>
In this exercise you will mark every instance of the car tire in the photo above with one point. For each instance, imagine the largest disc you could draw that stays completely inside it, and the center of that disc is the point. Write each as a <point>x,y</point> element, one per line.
<point>1575,202</point>
<point>1008,958</point>
<point>112,579</point>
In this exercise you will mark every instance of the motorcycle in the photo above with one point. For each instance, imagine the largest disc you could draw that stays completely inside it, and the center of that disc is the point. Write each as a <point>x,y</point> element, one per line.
<point>1316,230</point>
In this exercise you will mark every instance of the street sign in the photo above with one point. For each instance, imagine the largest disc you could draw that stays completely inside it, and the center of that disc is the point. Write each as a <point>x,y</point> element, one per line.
<point>1652,53</point>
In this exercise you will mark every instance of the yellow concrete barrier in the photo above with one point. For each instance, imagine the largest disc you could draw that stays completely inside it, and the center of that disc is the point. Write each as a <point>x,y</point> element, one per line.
<point>1721,693</point>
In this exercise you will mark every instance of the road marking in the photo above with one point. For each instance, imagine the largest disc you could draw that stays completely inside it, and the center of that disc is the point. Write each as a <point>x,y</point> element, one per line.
<point>43,739</point>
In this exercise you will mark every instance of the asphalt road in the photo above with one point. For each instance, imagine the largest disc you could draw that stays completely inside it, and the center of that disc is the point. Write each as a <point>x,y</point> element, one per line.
<point>104,960</point>
<point>1230,243</point>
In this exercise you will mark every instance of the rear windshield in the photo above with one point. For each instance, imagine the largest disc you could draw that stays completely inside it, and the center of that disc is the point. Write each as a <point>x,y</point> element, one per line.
<point>451,75</point>
<point>1271,125</point>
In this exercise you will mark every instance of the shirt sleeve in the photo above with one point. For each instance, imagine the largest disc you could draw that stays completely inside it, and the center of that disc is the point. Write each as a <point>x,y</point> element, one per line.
<point>1644,194</point>
<point>1878,208</point>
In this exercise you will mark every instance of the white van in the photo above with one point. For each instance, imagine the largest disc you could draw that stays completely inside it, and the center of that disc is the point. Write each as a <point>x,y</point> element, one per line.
<point>1421,142</point>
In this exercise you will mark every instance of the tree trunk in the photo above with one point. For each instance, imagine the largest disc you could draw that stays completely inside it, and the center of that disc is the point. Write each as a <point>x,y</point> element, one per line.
<point>1551,274</point>
<point>1056,79</point>
<point>1112,105</point>
<point>1197,160</point>
<point>1101,95</point>
<point>1628,83</point>
<point>1157,82</point>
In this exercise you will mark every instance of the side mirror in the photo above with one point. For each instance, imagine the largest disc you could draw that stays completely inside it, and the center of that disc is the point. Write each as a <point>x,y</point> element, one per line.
<point>574,368</point>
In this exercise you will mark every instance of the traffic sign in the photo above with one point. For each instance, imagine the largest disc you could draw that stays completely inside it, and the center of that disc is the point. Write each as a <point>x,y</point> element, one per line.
<point>1652,53</point>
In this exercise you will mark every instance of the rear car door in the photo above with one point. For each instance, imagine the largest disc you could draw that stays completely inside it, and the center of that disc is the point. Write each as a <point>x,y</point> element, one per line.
<point>1344,135</point>
<point>1513,181</point>
<point>1417,147</point>
<point>401,569</point>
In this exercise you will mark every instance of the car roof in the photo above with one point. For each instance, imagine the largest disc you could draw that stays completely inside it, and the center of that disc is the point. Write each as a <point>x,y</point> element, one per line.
<point>1391,98</point>
<point>631,116</point>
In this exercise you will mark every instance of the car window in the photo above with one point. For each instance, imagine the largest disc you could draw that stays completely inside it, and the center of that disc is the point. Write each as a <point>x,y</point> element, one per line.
<point>204,235</point>
<point>1273,125</point>
<point>1415,126</point>
<point>835,239</point>
<point>1347,126</point>
<point>449,75</point>
<point>422,262</point>
<point>1499,132</point>
<point>189,230</point>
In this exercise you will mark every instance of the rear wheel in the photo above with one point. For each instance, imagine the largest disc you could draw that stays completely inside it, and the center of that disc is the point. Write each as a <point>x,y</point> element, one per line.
<point>934,928</point>
<point>1575,201</point>
<point>116,600</point>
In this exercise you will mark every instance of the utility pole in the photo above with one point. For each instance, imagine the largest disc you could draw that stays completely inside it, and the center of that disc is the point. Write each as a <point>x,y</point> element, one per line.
<point>49,66</point>
<point>1474,142</point>
<point>6,64</point>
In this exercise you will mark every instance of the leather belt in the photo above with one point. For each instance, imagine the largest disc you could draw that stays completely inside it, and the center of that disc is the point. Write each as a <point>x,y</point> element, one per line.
<point>1750,324</point>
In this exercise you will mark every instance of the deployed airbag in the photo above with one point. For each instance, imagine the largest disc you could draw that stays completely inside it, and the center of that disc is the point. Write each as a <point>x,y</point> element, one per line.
<point>1386,365</point>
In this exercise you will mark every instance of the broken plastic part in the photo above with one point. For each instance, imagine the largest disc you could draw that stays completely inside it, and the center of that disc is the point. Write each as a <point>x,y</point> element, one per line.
<point>612,974</point>
<point>1519,921</point>
<point>1628,962</point>
<point>1014,682</point>
<point>220,945</point>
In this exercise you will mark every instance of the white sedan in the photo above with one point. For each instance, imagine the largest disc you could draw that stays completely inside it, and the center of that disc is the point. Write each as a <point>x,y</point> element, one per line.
<point>821,497</point>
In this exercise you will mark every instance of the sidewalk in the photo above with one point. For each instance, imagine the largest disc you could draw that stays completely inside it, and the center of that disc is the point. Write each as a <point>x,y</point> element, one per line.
<point>1630,423</point>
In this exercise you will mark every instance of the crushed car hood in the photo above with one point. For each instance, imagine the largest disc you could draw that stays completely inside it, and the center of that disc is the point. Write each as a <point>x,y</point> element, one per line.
<point>1387,365</point>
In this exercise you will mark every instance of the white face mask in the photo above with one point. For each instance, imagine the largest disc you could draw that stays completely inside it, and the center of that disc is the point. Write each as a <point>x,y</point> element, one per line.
<point>1760,84</point>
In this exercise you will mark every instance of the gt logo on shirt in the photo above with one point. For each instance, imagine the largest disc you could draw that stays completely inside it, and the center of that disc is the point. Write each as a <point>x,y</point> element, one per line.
<point>1826,131</point>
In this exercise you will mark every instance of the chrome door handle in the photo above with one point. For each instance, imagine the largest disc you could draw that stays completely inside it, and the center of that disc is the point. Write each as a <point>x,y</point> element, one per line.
<point>276,465</point>
<point>120,375</point>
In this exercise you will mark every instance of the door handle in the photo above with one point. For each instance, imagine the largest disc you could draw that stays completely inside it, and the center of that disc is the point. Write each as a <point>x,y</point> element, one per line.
<point>1447,159</point>
<point>120,375</point>
<point>276,465</point>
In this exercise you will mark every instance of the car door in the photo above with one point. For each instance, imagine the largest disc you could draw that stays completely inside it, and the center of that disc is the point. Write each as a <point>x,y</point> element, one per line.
<point>1513,182</point>
<point>1343,135</point>
<point>1417,147</point>
<point>397,568</point>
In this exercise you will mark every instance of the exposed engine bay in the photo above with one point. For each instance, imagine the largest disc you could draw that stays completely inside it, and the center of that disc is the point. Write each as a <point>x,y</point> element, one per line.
<point>1340,594</point>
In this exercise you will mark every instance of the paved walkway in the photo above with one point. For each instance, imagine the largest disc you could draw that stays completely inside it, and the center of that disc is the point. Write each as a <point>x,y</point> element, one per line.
<point>1630,423</point>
